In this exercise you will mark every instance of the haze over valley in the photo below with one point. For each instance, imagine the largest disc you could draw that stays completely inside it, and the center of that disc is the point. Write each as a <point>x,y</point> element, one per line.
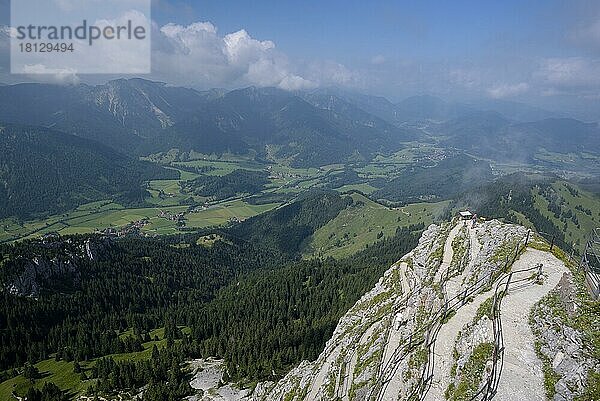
<point>409,216</point>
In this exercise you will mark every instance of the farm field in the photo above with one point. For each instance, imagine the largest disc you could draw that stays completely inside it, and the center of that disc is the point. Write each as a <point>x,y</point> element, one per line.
<point>166,196</point>
<point>365,188</point>
<point>81,221</point>
<point>570,161</point>
<point>219,167</point>
<point>222,213</point>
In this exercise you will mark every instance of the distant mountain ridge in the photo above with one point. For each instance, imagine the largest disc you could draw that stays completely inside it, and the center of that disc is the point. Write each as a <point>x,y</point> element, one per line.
<point>310,128</point>
<point>133,101</point>
<point>139,116</point>
<point>489,134</point>
<point>432,108</point>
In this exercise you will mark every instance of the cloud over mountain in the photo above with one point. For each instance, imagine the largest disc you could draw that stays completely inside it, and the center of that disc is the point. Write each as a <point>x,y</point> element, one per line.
<point>507,90</point>
<point>573,75</point>
<point>199,53</point>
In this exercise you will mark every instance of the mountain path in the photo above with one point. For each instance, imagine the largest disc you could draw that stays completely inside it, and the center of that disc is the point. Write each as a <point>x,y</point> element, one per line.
<point>444,346</point>
<point>392,389</point>
<point>522,377</point>
<point>444,343</point>
<point>448,253</point>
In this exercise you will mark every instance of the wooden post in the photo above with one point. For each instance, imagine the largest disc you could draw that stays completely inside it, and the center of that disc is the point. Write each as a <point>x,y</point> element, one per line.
<point>508,282</point>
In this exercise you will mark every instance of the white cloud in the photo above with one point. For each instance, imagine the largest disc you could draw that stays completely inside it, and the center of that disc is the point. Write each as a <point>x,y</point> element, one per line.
<point>33,72</point>
<point>295,82</point>
<point>508,90</point>
<point>571,76</point>
<point>332,73</point>
<point>196,55</point>
<point>570,72</point>
<point>466,78</point>
<point>103,57</point>
<point>240,47</point>
<point>41,73</point>
<point>5,33</point>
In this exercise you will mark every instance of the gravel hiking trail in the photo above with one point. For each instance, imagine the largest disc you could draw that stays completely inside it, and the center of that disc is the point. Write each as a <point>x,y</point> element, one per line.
<point>522,377</point>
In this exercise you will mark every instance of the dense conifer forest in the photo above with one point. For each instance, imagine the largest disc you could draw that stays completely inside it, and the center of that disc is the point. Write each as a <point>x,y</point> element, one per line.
<point>235,183</point>
<point>254,304</point>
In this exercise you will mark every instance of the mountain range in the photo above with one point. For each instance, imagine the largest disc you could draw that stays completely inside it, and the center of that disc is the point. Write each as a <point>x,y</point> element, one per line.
<point>79,143</point>
<point>138,117</point>
<point>490,134</point>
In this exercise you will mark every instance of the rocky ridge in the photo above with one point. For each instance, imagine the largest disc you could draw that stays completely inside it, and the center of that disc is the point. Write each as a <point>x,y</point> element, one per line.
<point>382,349</point>
<point>24,276</point>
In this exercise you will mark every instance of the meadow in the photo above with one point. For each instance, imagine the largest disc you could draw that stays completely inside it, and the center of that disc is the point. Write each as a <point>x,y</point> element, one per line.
<point>62,372</point>
<point>364,223</point>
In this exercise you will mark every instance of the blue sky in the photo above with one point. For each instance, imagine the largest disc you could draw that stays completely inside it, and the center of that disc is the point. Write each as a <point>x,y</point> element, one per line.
<point>354,30</point>
<point>541,52</point>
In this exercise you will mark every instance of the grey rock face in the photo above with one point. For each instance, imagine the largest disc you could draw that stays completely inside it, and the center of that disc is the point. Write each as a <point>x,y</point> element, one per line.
<point>564,346</point>
<point>376,349</point>
<point>29,274</point>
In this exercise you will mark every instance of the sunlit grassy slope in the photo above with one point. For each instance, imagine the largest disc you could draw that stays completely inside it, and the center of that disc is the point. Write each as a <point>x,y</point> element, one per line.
<point>584,205</point>
<point>365,221</point>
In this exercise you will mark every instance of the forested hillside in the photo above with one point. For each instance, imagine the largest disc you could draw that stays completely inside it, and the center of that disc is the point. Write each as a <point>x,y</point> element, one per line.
<point>280,310</point>
<point>150,274</point>
<point>286,228</point>
<point>554,207</point>
<point>235,183</point>
<point>44,172</point>
<point>273,319</point>
<point>491,135</point>
<point>448,178</point>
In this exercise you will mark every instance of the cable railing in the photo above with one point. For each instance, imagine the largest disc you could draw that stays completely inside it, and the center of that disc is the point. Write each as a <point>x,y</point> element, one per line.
<point>586,258</point>
<point>505,280</point>
<point>501,289</point>
<point>430,331</point>
<point>590,262</point>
